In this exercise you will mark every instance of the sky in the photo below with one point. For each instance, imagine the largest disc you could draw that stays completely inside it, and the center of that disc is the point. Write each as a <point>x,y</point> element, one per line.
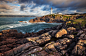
<point>41,7</point>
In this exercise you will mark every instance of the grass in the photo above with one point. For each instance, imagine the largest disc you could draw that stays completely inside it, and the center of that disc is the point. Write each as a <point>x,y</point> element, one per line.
<point>82,21</point>
<point>79,20</point>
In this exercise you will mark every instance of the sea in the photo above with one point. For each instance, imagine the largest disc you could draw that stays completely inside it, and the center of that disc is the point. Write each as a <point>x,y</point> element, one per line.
<point>25,26</point>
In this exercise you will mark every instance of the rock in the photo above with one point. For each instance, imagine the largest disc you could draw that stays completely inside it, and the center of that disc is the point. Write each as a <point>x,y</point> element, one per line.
<point>80,32</point>
<point>31,21</point>
<point>0,33</point>
<point>79,48</point>
<point>60,33</point>
<point>51,47</point>
<point>71,46</point>
<point>53,33</point>
<point>85,28</point>
<point>5,31</point>
<point>3,46</point>
<point>82,35</point>
<point>27,45</point>
<point>9,53</point>
<point>83,41</point>
<point>20,21</point>
<point>70,36</point>
<point>33,51</point>
<point>1,54</point>
<point>71,28</point>
<point>42,53</point>
<point>32,38</point>
<point>45,34</point>
<point>10,40</point>
<point>63,51</point>
<point>15,51</point>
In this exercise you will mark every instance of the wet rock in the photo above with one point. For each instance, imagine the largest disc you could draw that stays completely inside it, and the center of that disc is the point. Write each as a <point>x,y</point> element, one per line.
<point>20,21</point>
<point>60,33</point>
<point>5,31</point>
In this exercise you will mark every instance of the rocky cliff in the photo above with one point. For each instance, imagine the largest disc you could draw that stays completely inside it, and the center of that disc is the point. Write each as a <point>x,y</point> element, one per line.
<point>54,18</point>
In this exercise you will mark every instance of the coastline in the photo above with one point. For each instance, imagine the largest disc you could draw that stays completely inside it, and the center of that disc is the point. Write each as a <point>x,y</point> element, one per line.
<point>25,41</point>
<point>67,39</point>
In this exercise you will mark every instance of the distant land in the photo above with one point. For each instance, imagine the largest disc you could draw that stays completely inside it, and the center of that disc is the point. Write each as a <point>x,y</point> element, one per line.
<point>17,16</point>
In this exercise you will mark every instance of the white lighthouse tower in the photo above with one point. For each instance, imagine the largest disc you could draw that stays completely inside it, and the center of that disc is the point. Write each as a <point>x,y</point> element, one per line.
<point>51,11</point>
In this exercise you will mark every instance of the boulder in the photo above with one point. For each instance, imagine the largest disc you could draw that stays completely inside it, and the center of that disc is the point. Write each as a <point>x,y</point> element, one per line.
<point>71,28</point>
<point>31,21</point>
<point>5,31</point>
<point>0,34</point>
<point>60,33</point>
<point>70,36</point>
<point>20,21</point>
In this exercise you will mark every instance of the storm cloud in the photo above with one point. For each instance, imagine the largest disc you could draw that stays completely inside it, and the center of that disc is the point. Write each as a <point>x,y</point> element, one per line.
<point>63,6</point>
<point>78,5</point>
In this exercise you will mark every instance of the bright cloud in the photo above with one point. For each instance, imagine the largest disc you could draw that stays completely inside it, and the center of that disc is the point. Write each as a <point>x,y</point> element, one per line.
<point>41,7</point>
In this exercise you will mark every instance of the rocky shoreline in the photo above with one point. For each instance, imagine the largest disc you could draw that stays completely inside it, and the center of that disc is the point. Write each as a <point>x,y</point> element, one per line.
<point>55,18</point>
<point>61,40</point>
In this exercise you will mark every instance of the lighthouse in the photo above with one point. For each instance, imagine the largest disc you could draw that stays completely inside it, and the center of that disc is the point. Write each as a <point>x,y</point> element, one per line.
<point>51,11</point>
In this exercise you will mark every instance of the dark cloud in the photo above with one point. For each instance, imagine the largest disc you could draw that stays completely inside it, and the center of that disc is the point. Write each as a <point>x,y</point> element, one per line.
<point>68,4</point>
<point>22,7</point>
<point>61,5</point>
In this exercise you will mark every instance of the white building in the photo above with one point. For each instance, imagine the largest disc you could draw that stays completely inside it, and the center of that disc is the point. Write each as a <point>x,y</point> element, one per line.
<point>51,11</point>
<point>60,13</point>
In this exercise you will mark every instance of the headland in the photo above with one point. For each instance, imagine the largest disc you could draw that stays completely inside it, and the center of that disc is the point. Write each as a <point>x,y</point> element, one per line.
<point>67,39</point>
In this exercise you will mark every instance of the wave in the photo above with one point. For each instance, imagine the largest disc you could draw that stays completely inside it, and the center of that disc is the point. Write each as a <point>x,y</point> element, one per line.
<point>9,26</point>
<point>35,28</point>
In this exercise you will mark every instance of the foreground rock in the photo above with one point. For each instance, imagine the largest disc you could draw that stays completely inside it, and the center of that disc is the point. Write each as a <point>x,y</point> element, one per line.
<point>60,33</point>
<point>56,41</point>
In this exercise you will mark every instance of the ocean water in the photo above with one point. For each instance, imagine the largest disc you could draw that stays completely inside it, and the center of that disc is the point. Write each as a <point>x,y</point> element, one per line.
<point>25,26</point>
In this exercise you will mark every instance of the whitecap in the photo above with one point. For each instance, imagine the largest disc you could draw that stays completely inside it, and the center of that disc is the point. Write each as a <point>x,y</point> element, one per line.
<point>9,26</point>
<point>22,31</point>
